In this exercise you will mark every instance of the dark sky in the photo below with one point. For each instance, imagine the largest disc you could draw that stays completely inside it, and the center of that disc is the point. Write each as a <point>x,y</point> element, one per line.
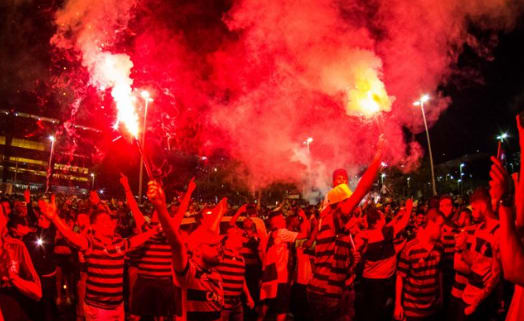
<point>483,105</point>
<point>486,94</point>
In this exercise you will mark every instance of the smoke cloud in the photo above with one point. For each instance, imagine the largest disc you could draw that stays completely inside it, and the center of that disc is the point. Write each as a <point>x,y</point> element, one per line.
<point>258,78</point>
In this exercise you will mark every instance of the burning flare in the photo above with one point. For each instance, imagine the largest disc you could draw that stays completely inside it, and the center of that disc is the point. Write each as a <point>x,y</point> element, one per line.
<point>114,72</point>
<point>368,95</point>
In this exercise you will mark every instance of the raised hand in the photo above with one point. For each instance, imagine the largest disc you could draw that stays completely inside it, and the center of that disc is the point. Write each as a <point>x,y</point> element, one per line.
<point>409,205</point>
<point>192,185</point>
<point>156,194</point>
<point>498,185</point>
<point>242,209</point>
<point>94,198</point>
<point>124,181</point>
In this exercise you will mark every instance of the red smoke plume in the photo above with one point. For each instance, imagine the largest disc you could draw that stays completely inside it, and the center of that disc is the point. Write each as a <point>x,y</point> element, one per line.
<point>258,78</point>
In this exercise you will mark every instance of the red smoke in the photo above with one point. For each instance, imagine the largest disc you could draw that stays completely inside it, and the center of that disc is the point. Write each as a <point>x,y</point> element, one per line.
<point>259,78</point>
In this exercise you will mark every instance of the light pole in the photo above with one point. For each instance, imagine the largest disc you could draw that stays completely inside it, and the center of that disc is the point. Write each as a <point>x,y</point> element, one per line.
<point>49,169</point>
<point>92,181</point>
<point>308,142</point>
<point>420,103</point>
<point>461,175</point>
<point>147,99</point>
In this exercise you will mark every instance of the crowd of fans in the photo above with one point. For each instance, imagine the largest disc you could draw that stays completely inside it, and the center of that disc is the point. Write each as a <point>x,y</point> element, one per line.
<point>347,259</point>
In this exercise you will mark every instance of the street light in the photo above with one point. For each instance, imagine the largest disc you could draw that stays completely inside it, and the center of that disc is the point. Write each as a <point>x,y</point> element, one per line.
<point>308,141</point>
<point>423,99</point>
<point>52,139</point>
<point>147,99</point>
<point>502,137</point>
<point>92,181</point>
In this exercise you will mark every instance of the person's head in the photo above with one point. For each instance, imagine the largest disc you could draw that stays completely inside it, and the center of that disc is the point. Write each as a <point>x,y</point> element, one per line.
<point>464,217</point>
<point>293,223</point>
<point>277,221</point>
<point>251,210</point>
<point>43,222</point>
<point>248,225</point>
<point>340,176</point>
<point>234,239</point>
<point>375,218</point>
<point>433,202</point>
<point>20,208</point>
<point>17,226</point>
<point>173,208</point>
<point>445,205</point>
<point>480,204</point>
<point>433,225</point>
<point>103,224</point>
<point>420,219</point>
<point>82,220</point>
<point>206,246</point>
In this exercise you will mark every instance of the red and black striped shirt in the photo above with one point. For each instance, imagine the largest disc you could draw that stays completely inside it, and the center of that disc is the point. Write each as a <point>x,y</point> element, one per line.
<point>204,292</point>
<point>232,269</point>
<point>420,270</point>
<point>154,259</point>
<point>333,260</point>
<point>105,271</point>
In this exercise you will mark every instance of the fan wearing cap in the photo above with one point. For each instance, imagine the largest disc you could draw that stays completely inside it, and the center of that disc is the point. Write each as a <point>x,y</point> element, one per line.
<point>196,274</point>
<point>335,256</point>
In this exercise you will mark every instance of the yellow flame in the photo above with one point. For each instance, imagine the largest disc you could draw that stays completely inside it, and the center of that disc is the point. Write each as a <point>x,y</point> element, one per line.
<point>368,95</point>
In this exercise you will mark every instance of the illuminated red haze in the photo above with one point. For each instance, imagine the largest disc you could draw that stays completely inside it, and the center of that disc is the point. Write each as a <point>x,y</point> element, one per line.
<point>258,78</point>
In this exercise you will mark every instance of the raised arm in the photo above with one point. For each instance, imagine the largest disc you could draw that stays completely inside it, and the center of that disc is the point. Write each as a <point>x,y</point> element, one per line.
<point>184,204</point>
<point>511,247</point>
<point>401,224</point>
<point>218,212</point>
<point>139,239</point>
<point>365,183</point>
<point>240,211</point>
<point>50,211</point>
<point>519,181</point>
<point>131,202</point>
<point>156,195</point>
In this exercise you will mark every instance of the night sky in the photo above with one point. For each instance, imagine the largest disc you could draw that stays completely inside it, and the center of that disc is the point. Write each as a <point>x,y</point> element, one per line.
<point>486,85</point>
<point>485,101</point>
